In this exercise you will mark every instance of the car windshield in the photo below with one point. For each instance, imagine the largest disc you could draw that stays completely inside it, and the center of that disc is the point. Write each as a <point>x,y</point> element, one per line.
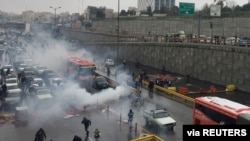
<point>57,81</point>
<point>12,87</point>
<point>23,65</point>
<point>43,91</point>
<point>41,68</point>
<point>13,95</point>
<point>51,75</point>
<point>11,81</point>
<point>86,70</point>
<point>29,73</point>
<point>7,66</point>
<point>162,115</point>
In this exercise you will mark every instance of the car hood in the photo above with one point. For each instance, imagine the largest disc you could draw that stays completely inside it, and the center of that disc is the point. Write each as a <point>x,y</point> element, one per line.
<point>12,99</point>
<point>11,91</point>
<point>44,96</point>
<point>166,120</point>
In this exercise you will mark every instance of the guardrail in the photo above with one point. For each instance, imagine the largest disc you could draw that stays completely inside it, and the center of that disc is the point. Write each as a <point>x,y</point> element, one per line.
<point>173,94</point>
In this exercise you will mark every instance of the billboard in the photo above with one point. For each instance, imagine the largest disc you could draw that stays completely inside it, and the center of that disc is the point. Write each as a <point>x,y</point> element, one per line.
<point>215,10</point>
<point>186,8</point>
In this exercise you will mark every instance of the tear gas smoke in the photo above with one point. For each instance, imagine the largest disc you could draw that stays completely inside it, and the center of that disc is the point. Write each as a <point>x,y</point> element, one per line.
<point>71,95</point>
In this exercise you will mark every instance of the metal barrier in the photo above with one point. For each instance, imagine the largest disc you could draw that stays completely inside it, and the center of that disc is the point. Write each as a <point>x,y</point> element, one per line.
<point>171,93</point>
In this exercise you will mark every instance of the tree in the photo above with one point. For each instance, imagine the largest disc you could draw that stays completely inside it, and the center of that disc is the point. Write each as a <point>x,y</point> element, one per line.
<point>131,12</point>
<point>206,9</point>
<point>123,13</point>
<point>220,2</point>
<point>81,19</point>
<point>246,7</point>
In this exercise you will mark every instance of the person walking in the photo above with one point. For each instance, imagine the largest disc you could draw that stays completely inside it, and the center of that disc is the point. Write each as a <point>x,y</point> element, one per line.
<point>108,71</point>
<point>97,134</point>
<point>150,86</point>
<point>130,118</point>
<point>86,122</point>
<point>40,135</point>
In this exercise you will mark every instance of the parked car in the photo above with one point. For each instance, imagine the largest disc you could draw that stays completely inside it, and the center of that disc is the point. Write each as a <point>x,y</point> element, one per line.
<point>232,41</point>
<point>201,39</point>
<point>100,82</point>
<point>244,41</point>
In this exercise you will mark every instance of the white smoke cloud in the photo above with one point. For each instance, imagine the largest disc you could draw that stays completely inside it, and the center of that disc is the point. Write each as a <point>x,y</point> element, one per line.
<point>71,95</point>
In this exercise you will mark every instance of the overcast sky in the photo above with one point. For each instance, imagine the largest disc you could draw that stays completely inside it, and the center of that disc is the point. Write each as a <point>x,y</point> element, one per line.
<point>78,6</point>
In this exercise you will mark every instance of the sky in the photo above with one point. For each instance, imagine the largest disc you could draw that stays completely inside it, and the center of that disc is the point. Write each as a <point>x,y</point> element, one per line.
<point>78,6</point>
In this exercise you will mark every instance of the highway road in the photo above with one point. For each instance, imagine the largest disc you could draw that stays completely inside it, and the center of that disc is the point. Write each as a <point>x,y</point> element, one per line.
<point>110,117</point>
<point>108,121</point>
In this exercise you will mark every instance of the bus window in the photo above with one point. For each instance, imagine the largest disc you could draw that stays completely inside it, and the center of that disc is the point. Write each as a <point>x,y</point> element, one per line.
<point>86,70</point>
<point>212,114</point>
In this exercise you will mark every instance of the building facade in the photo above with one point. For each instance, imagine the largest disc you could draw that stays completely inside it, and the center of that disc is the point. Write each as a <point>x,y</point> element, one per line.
<point>155,4</point>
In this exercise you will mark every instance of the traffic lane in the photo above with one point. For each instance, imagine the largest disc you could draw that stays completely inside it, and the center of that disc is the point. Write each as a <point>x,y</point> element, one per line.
<point>180,112</point>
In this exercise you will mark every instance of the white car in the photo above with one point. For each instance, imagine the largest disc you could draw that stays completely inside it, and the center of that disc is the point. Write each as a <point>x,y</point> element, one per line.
<point>160,118</point>
<point>21,67</point>
<point>37,81</point>
<point>6,67</point>
<point>109,62</point>
<point>11,80</point>
<point>13,93</point>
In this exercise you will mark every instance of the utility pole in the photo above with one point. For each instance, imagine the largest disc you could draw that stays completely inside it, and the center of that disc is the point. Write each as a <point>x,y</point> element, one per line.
<point>118,32</point>
<point>55,16</point>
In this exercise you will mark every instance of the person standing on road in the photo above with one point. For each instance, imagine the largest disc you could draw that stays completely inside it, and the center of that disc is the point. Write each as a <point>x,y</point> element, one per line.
<point>108,71</point>
<point>130,117</point>
<point>86,122</point>
<point>150,86</point>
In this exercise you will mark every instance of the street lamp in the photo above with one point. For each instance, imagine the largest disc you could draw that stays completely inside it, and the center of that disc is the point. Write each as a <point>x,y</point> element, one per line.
<point>118,32</point>
<point>55,15</point>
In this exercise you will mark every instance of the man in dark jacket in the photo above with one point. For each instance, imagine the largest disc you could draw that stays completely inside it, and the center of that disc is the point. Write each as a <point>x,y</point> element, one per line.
<point>151,86</point>
<point>40,135</point>
<point>86,122</point>
<point>77,138</point>
<point>4,90</point>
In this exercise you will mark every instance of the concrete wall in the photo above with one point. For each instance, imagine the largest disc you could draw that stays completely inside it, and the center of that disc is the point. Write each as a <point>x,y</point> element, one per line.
<point>214,63</point>
<point>141,26</point>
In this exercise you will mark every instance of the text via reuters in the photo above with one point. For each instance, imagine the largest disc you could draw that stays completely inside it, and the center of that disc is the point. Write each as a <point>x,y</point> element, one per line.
<point>215,131</point>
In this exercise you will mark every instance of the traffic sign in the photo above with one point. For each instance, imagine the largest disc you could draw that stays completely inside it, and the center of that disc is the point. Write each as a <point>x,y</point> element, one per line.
<point>215,10</point>
<point>186,8</point>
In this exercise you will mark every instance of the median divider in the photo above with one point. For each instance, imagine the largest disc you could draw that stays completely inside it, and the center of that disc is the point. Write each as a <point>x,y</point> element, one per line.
<point>172,92</point>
